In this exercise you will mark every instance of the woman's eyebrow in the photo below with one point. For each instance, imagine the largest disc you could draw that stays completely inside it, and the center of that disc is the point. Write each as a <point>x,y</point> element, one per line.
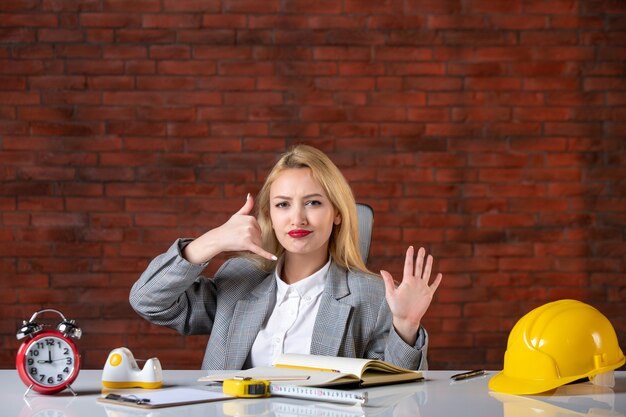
<point>283,197</point>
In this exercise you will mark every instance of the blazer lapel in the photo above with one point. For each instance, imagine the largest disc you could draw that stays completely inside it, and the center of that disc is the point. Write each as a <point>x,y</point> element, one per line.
<point>332,317</point>
<point>248,317</point>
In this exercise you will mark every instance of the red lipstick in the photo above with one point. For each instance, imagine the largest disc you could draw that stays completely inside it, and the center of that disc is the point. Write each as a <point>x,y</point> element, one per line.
<point>298,233</point>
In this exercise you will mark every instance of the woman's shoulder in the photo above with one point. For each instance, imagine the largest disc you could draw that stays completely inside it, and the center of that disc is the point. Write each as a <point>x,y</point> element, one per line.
<point>363,275</point>
<point>240,272</point>
<point>365,284</point>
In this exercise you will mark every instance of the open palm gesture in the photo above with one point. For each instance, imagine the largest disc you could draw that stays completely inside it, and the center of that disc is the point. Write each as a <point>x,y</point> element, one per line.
<point>410,300</point>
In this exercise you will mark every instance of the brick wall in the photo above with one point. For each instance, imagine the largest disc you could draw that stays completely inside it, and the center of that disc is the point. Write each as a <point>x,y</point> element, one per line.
<point>492,132</point>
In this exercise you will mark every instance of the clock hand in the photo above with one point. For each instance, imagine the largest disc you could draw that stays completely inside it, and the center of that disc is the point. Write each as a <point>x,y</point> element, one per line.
<point>49,359</point>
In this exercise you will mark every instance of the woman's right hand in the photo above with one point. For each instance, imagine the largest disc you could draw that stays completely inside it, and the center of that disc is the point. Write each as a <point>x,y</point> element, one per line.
<point>240,233</point>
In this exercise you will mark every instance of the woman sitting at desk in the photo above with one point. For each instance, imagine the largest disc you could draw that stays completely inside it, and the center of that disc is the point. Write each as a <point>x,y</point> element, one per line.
<point>305,288</point>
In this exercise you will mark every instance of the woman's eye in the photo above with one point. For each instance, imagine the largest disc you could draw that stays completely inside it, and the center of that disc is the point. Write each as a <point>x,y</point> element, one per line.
<point>281,204</point>
<point>313,203</point>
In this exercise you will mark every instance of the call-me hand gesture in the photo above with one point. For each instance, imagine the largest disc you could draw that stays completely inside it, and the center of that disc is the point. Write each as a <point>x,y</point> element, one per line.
<point>240,233</point>
<point>410,300</point>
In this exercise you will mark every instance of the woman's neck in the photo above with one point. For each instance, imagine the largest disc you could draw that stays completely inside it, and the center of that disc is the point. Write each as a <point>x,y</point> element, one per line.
<point>297,267</point>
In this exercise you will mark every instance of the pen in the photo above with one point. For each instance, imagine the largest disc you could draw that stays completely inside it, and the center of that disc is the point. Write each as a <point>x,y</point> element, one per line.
<point>466,375</point>
<point>277,378</point>
<point>307,368</point>
<point>130,399</point>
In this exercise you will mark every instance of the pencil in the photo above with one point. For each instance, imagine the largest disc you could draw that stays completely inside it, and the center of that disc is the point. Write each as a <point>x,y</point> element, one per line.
<point>307,368</point>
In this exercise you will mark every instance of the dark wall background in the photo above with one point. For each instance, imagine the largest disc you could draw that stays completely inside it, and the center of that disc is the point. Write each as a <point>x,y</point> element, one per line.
<point>492,132</point>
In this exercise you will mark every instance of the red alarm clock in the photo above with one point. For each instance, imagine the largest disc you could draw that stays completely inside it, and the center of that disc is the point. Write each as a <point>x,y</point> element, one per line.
<point>48,361</point>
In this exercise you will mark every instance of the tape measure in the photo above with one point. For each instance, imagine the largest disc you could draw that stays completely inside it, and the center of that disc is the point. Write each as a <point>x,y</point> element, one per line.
<point>246,387</point>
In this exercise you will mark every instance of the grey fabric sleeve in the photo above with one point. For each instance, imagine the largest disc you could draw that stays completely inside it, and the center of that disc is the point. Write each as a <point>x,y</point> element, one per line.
<point>171,292</point>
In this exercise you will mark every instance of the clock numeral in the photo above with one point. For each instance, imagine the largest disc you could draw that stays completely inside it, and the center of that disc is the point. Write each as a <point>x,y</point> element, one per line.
<point>59,377</point>
<point>40,345</point>
<point>33,371</point>
<point>34,352</point>
<point>49,342</point>
<point>42,377</point>
<point>30,361</point>
<point>50,380</point>
<point>66,351</point>
<point>68,361</point>
<point>66,370</point>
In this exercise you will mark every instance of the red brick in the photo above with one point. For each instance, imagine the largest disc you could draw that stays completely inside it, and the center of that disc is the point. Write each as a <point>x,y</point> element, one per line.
<point>452,21</point>
<point>395,22</point>
<point>550,7</point>
<point>19,5</point>
<point>177,21</point>
<point>272,113</point>
<point>575,22</point>
<point>135,7</point>
<point>262,98</point>
<point>111,83</point>
<point>381,113</point>
<point>19,98</point>
<point>519,21</point>
<point>165,83</point>
<point>343,53</point>
<point>351,129</point>
<point>169,51</point>
<point>336,22</point>
<point>110,20</point>
<point>186,68</point>
<point>100,35</point>
<point>372,6</point>
<point>548,38</point>
<point>577,53</point>
<point>151,36</point>
<point>29,20</point>
<point>479,37</point>
<point>218,37</point>
<point>17,35</point>
<point>45,113</point>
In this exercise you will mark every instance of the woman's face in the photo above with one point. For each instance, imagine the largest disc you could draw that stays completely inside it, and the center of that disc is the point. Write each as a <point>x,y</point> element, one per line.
<point>301,213</point>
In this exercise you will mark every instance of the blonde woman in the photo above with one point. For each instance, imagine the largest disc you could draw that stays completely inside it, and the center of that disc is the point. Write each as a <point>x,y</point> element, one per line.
<point>305,288</point>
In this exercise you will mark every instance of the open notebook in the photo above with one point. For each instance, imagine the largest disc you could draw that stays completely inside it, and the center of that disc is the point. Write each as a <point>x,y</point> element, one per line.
<point>322,371</point>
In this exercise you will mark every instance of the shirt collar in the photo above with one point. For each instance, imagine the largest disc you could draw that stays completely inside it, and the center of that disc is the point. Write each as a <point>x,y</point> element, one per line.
<point>311,286</point>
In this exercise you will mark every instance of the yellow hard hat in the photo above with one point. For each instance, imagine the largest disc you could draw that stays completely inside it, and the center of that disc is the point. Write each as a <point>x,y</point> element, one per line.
<point>556,344</point>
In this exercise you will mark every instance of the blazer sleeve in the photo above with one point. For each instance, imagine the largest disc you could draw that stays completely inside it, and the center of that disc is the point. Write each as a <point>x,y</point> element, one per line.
<point>407,356</point>
<point>171,292</point>
<point>396,350</point>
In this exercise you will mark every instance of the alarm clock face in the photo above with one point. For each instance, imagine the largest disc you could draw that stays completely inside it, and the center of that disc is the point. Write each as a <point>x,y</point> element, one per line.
<point>49,362</point>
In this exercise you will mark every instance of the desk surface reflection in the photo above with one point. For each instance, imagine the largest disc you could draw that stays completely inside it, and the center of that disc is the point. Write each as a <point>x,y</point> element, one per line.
<point>436,396</point>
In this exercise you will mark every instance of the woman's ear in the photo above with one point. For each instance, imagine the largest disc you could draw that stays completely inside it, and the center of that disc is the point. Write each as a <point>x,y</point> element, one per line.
<point>337,220</point>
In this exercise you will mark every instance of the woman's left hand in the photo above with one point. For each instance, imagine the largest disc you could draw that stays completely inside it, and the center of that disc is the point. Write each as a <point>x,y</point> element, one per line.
<point>410,300</point>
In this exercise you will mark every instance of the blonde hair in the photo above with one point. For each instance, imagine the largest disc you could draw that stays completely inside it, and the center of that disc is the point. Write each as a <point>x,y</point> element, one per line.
<point>344,239</point>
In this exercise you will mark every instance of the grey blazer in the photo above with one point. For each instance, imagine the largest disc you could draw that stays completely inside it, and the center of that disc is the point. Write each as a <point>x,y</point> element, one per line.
<point>353,318</point>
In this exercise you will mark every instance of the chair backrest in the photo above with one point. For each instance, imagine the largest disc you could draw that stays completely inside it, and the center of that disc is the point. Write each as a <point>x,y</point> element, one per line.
<point>365,215</point>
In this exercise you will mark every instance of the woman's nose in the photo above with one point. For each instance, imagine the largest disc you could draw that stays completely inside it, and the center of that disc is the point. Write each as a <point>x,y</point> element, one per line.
<point>299,215</point>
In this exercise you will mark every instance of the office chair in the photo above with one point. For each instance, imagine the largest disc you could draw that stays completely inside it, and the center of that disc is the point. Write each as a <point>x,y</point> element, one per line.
<point>365,215</point>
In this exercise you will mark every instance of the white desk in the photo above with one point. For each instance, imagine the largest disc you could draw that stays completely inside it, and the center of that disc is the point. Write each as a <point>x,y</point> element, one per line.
<point>436,396</point>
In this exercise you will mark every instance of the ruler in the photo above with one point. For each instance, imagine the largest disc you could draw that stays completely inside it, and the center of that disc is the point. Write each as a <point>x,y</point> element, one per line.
<point>321,394</point>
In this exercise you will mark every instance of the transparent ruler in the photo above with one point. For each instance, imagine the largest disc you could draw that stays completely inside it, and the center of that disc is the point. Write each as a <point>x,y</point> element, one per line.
<point>320,394</point>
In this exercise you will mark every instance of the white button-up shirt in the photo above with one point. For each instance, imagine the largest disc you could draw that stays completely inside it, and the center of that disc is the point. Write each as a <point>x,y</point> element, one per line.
<point>289,329</point>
